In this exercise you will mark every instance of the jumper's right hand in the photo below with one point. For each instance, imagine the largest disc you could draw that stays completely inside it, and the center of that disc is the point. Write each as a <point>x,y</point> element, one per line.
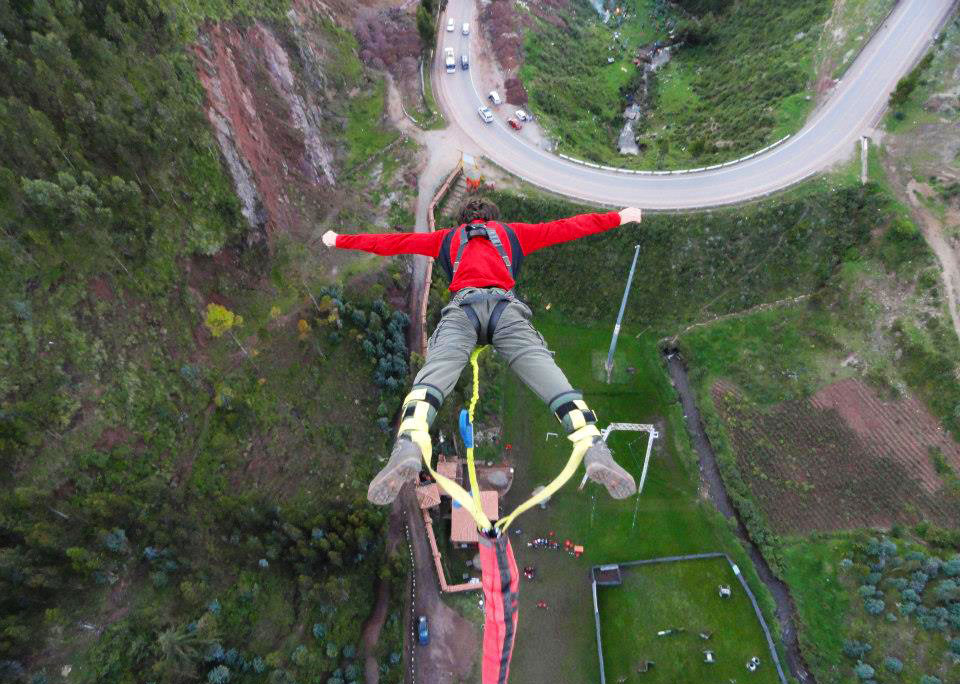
<point>330,238</point>
<point>630,214</point>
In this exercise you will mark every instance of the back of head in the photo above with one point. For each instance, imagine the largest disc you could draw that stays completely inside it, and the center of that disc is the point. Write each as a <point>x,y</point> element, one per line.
<point>478,208</point>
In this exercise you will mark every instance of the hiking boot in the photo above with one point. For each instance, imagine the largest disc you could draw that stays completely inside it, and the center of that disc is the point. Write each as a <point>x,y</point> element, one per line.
<point>404,466</point>
<point>601,468</point>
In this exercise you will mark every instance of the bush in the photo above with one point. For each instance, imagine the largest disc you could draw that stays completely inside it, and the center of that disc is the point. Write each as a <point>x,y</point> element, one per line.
<point>893,665</point>
<point>219,675</point>
<point>930,679</point>
<point>867,590</point>
<point>864,671</point>
<point>874,606</point>
<point>856,649</point>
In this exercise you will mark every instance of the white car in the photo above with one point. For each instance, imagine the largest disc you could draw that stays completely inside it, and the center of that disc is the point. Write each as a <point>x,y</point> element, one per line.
<point>494,97</point>
<point>450,25</point>
<point>466,28</point>
<point>522,115</point>
<point>485,114</point>
<point>449,60</point>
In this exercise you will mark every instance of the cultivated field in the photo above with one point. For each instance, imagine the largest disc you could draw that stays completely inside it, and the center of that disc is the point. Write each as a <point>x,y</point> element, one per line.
<point>681,596</point>
<point>843,458</point>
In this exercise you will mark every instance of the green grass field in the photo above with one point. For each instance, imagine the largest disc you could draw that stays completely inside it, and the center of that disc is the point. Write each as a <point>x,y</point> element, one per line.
<point>681,595</point>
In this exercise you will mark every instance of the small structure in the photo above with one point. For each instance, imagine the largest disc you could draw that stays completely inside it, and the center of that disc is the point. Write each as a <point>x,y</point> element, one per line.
<point>463,528</point>
<point>724,590</point>
<point>577,550</point>
<point>708,657</point>
<point>669,632</point>
<point>607,576</point>
<point>428,496</point>
<point>645,666</point>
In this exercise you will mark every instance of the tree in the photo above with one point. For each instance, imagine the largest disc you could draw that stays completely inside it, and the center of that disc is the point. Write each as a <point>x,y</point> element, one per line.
<point>220,319</point>
<point>179,654</point>
<point>426,27</point>
<point>893,665</point>
<point>864,671</point>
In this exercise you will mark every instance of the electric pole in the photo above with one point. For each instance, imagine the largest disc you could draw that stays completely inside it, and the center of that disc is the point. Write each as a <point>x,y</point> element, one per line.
<point>623,306</point>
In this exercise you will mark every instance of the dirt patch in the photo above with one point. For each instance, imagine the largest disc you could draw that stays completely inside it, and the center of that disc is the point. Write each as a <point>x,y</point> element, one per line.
<point>844,458</point>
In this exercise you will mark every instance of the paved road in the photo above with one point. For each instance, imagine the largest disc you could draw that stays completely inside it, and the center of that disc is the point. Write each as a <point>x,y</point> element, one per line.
<point>850,111</point>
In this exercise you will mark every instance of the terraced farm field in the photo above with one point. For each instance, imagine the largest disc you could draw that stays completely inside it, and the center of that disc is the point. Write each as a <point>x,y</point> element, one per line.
<point>843,458</point>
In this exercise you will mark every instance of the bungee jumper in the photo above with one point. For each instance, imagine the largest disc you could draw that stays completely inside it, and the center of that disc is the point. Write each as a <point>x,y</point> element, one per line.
<point>482,258</point>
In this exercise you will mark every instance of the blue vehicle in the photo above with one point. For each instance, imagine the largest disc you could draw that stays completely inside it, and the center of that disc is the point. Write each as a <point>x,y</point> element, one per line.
<point>423,631</point>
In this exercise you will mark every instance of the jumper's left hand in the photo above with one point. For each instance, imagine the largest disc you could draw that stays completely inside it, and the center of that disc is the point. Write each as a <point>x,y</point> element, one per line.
<point>330,238</point>
<point>630,214</point>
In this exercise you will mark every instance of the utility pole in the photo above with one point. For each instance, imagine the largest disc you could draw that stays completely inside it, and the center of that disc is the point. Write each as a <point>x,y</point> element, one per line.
<point>623,306</point>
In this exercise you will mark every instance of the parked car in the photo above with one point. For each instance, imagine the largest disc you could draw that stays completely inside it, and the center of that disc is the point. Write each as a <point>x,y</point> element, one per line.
<point>466,28</point>
<point>450,25</point>
<point>522,115</point>
<point>514,124</point>
<point>423,632</point>
<point>449,60</point>
<point>494,97</point>
<point>485,114</point>
<point>464,62</point>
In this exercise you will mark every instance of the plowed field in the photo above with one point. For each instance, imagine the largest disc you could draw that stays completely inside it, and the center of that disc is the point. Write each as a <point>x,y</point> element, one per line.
<point>843,458</point>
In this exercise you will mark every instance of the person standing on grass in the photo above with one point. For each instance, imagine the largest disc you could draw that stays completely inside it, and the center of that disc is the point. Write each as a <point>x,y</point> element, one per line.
<point>482,258</point>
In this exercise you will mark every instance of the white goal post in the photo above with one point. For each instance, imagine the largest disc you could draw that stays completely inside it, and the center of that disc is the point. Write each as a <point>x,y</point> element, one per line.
<point>630,427</point>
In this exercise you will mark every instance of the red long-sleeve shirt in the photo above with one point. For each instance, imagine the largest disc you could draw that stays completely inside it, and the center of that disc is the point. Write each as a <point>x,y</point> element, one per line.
<point>481,265</point>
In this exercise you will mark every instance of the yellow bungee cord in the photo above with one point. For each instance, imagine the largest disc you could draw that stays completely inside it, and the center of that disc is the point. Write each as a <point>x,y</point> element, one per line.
<point>471,501</point>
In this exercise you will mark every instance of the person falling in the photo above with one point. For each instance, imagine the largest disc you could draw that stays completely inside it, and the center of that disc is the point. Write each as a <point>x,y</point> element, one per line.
<point>482,258</point>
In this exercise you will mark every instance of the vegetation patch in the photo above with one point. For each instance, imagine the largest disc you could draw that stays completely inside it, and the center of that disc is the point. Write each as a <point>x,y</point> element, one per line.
<point>667,617</point>
<point>887,604</point>
<point>719,98</point>
<point>189,438</point>
<point>844,458</point>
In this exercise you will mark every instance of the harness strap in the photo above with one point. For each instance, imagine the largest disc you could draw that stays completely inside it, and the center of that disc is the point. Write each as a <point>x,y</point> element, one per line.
<point>485,333</point>
<point>467,233</point>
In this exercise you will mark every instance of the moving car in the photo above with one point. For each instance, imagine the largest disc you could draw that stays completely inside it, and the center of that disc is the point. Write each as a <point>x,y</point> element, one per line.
<point>449,60</point>
<point>514,124</point>
<point>464,62</point>
<point>494,98</point>
<point>450,25</point>
<point>522,115</point>
<point>466,28</point>
<point>485,114</point>
<point>423,632</point>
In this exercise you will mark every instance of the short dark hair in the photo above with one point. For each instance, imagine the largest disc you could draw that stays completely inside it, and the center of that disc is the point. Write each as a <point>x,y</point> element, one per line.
<point>478,208</point>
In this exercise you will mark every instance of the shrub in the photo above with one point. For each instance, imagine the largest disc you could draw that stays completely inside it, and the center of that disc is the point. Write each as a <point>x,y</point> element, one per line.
<point>219,675</point>
<point>867,590</point>
<point>864,671</point>
<point>945,591</point>
<point>856,649</point>
<point>930,679</point>
<point>874,606</point>
<point>893,665</point>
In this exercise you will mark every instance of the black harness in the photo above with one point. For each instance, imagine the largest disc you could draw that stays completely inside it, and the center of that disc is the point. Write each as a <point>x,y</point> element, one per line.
<point>450,266</point>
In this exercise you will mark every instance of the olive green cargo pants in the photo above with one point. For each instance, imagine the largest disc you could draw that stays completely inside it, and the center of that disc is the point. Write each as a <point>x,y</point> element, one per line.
<point>515,339</point>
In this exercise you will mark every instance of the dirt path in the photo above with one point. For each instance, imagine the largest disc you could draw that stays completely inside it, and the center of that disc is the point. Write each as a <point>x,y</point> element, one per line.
<point>371,629</point>
<point>453,640</point>
<point>933,231</point>
<point>710,474</point>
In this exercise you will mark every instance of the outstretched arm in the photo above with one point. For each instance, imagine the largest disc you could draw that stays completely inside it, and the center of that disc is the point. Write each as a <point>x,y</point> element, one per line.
<point>427,244</point>
<point>534,236</point>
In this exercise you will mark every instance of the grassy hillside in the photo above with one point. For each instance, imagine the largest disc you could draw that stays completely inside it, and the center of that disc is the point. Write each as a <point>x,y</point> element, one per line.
<point>740,81</point>
<point>187,490</point>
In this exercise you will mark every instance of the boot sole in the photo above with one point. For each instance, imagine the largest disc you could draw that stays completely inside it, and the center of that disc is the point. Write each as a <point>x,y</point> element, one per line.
<point>387,484</point>
<point>619,486</point>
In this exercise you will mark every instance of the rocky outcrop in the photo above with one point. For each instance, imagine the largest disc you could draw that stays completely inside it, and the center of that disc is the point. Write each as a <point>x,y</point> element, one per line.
<point>268,124</point>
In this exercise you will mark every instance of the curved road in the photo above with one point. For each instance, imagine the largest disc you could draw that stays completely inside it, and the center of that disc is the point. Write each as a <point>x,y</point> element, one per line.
<point>852,109</point>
